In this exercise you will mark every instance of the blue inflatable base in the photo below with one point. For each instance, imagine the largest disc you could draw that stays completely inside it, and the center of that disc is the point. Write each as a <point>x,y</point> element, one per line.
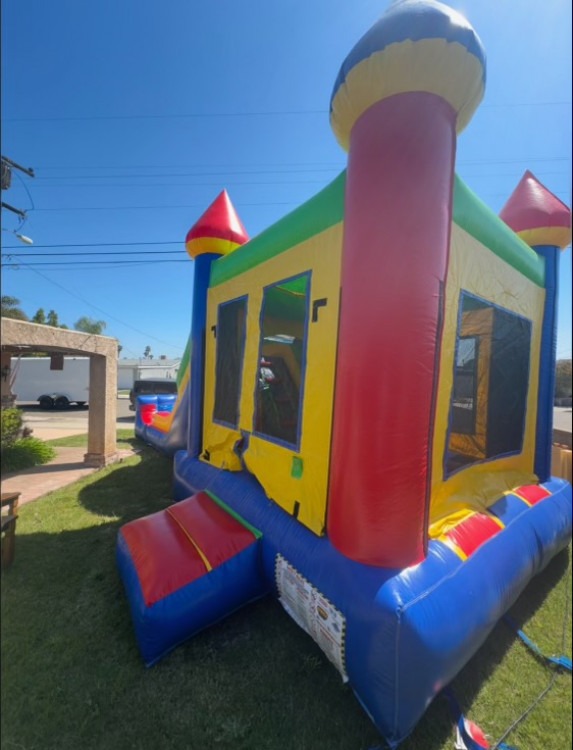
<point>404,634</point>
<point>186,611</point>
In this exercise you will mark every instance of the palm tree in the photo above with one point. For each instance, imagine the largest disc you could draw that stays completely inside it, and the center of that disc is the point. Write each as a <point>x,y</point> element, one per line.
<point>89,325</point>
<point>11,308</point>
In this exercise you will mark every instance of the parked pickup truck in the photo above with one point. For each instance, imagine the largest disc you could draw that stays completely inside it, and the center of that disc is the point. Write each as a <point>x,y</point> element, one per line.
<point>152,386</point>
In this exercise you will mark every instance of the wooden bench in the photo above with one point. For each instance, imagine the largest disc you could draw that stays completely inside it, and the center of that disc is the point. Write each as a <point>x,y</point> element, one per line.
<point>9,506</point>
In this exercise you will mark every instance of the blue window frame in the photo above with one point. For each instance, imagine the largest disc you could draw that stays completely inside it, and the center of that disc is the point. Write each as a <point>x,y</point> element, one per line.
<point>230,351</point>
<point>490,385</point>
<point>282,360</point>
<point>464,398</point>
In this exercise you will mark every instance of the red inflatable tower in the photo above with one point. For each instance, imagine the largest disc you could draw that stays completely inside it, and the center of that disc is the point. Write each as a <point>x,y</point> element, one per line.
<point>404,91</point>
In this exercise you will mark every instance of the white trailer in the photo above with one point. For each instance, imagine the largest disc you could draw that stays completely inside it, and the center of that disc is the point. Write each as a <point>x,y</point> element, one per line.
<point>35,381</point>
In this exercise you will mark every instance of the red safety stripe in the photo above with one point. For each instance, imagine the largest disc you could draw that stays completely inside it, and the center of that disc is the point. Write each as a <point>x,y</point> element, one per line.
<point>532,493</point>
<point>146,412</point>
<point>218,535</point>
<point>163,557</point>
<point>470,534</point>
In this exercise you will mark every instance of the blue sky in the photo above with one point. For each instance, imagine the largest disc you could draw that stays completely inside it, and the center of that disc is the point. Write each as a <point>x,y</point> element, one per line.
<point>135,114</point>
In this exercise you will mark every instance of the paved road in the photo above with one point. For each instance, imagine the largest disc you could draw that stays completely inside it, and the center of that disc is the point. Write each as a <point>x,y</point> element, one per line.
<point>562,418</point>
<point>74,421</point>
<point>48,425</point>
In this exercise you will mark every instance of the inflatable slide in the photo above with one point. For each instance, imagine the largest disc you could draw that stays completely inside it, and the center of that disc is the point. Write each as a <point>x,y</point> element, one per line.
<point>162,420</point>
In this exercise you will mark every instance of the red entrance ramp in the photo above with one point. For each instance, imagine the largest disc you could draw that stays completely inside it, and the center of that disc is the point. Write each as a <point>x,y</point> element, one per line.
<point>186,567</point>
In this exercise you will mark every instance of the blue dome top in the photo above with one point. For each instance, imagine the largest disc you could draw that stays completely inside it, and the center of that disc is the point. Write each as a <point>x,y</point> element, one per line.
<point>414,20</point>
<point>439,52</point>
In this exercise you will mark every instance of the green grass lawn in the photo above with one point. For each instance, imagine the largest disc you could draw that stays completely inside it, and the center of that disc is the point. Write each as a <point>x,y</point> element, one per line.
<point>31,451</point>
<point>72,678</point>
<point>125,439</point>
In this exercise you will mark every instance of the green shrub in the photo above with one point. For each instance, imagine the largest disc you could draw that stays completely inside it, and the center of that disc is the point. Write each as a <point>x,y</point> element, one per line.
<point>25,453</point>
<point>11,426</point>
<point>563,378</point>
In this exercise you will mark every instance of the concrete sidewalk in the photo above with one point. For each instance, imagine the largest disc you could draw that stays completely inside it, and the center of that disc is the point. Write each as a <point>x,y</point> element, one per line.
<point>66,468</point>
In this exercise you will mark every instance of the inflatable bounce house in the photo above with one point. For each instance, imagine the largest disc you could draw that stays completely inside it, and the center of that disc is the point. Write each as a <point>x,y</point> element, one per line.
<point>369,395</point>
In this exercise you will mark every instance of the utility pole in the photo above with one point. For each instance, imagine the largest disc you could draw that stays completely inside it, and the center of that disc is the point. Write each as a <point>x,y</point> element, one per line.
<point>17,211</point>
<point>7,165</point>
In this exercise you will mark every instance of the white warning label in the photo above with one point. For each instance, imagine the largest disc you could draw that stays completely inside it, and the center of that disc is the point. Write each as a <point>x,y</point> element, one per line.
<point>313,612</point>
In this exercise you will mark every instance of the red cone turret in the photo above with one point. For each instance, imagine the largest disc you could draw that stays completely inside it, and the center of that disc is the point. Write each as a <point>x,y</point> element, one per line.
<point>219,230</point>
<point>537,215</point>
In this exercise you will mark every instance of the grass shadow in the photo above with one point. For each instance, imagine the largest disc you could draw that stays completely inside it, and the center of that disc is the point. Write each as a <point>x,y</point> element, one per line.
<point>133,489</point>
<point>73,676</point>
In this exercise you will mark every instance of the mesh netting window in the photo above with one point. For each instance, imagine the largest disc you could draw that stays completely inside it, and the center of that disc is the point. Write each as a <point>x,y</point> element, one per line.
<point>229,364</point>
<point>282,349</point>
<point>491,381</point>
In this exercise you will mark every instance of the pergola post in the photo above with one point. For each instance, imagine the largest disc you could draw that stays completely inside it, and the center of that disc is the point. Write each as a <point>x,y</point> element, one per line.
<point>102,415</point>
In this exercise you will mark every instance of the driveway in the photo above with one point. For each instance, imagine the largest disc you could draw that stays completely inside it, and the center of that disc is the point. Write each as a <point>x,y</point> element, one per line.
<point>562,418</point>
<point>48,425</point>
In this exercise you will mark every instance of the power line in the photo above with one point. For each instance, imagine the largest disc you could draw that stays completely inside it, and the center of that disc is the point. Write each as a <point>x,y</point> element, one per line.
<point>223,166</point>
<point>68,181</point>
<point>77,263</point>
<point>261,113</point>
<point>154,208</point>
<point>271,171</point>
<point>21,179</point>
<point>199,205</point>
<point>279,165</point>
<point>189,174</point>
<point>219,185</point>
<point>226,181</point>
<point>155,185</point>
<point>103,244</point>
<point>95,307</point>
<point>193,115</point>
<point>495,105</point>
<point>102,252</point>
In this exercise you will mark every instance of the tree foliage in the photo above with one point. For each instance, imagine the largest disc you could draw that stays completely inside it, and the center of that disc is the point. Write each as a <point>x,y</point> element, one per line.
<point>53,320</point>
<point>89,325</point>
<point>11,308</point>
<point>563,372</point>
<point>11,426</point>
